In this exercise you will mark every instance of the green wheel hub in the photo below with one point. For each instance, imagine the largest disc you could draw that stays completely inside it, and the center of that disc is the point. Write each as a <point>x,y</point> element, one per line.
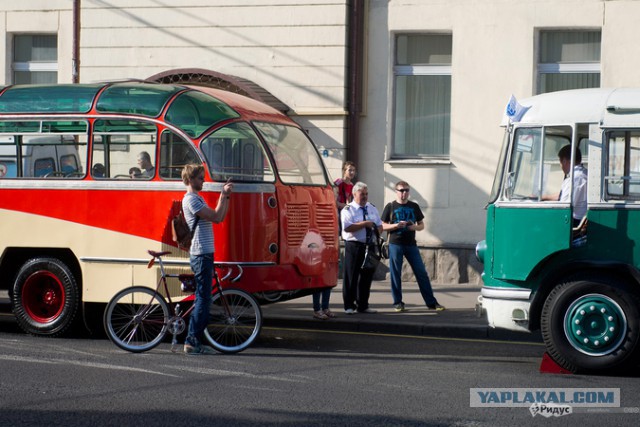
<point>595,324</point>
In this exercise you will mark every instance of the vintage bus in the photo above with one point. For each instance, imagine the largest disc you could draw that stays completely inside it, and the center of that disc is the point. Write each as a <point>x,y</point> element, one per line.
<point>90,177</point>
<point>576,279</point>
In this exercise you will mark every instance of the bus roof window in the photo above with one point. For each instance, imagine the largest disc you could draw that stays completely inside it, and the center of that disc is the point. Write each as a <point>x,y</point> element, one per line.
<point>194,112</point>
<point>53,99</point>
<point>136,98</point>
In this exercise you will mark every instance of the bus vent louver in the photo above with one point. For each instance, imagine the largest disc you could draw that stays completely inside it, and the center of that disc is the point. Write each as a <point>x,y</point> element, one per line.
<point>297,223</point>
<point>324,221</point>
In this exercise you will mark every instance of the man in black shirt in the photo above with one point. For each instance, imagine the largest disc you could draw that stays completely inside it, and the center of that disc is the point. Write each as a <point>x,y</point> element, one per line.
<point>401,219</point>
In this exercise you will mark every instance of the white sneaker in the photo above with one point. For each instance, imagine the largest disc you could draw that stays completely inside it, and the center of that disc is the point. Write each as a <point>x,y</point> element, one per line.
<point>350,311</point>
<point>368,311</point>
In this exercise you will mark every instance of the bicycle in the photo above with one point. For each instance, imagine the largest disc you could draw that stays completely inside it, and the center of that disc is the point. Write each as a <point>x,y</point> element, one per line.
<point>138,318</point>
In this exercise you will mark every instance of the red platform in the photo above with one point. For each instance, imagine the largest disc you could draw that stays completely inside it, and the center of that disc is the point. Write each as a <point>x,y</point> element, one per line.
<point>549,366</point>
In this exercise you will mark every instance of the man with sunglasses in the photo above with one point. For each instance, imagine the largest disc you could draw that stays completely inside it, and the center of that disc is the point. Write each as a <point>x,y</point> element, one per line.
<point>401,219</point>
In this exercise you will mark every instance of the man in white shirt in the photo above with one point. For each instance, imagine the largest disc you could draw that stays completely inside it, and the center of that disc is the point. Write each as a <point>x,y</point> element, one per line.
<point>358,220</point>
<point>579,183</point>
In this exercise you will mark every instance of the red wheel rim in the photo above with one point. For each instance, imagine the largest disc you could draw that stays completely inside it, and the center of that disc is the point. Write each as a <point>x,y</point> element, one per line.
<point>43,296</point>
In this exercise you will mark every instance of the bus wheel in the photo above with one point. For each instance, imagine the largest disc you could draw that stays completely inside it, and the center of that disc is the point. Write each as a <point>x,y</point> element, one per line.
<point>45,297</point>
<point>591,325</point>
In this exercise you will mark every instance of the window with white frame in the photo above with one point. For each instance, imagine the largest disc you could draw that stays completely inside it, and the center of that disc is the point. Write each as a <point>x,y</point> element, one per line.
<point>35,58</point>
<point>568,60</point>
<point>422,105</point>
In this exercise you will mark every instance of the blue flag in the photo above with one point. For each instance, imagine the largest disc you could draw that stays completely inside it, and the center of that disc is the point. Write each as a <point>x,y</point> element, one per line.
<point>515,110</point>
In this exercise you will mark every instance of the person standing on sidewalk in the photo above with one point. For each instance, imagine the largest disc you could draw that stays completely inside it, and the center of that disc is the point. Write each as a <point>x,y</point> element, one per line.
<point>401,219</point>
<point>358,220</point>
<point>344,187</point>
<point>345,184</point>
<point>201,251</point>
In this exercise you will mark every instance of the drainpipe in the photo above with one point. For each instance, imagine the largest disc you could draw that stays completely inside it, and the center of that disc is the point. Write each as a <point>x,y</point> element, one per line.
<point>355,48</point>
<point>75,59</point>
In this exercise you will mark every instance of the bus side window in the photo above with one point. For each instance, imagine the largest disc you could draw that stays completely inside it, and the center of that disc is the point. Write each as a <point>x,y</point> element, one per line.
<point>175,153</point>
<point>98,168</point>
<point>53,156</point>
<point>236,152</point>
<point>126,149</point>
<point>623,165</point>
<point>239,159</point>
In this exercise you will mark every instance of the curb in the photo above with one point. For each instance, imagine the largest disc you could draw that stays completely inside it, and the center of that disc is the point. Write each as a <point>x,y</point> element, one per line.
<point>465,326</point>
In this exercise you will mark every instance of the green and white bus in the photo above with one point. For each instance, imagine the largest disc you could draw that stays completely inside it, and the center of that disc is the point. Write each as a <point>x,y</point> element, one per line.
<point>577,283</point>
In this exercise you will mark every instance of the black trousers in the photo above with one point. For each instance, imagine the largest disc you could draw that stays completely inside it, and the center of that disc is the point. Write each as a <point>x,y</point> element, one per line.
<point>356,283</point>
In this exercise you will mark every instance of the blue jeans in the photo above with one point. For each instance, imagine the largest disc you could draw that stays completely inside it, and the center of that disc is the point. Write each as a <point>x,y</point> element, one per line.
<point>202,266</point>
<point>411,252</point>
<point>325,294</point>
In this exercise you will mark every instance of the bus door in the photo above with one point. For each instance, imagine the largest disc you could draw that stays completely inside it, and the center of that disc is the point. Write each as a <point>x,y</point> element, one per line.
<point>530,222</point>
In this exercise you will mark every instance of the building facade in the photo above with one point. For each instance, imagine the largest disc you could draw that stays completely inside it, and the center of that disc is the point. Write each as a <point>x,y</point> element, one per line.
<point>410,90</point>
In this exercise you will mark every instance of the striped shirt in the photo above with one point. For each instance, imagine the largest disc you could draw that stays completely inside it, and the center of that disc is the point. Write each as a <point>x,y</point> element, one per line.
<point>202,242</point>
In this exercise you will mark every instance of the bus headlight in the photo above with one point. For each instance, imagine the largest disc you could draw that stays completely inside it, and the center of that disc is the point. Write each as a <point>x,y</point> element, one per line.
<point>481,248</point>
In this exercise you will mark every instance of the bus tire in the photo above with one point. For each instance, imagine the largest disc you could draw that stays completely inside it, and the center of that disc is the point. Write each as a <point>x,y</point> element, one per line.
<point>591,325</point>
<point>45,297</point>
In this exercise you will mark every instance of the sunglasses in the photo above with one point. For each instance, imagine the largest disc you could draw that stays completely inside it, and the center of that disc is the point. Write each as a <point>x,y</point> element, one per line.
<point>402,190</point>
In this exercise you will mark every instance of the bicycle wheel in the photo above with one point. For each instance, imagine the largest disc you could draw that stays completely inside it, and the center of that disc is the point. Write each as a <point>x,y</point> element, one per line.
<point>235,320</point>
<point>136,319</point>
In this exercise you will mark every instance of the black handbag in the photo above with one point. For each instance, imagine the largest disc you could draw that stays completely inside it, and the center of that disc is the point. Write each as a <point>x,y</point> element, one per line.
<point>373,253</point>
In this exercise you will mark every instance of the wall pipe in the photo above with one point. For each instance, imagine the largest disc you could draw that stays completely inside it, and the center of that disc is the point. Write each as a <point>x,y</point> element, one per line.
<point>75,58</point>
<point>355,46</point>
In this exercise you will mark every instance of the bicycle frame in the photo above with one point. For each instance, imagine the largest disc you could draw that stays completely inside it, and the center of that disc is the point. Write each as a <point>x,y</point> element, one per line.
<point>216,285</point>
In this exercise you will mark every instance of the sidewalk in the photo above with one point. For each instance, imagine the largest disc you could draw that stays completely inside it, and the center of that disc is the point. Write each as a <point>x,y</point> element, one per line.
<point>461,319</point>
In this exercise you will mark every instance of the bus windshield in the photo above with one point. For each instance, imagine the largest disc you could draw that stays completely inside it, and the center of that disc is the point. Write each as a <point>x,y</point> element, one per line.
<point>497,179</point>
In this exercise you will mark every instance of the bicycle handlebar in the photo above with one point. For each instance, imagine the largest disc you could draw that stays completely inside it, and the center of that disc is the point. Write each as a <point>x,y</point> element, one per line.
<point>229,267</point>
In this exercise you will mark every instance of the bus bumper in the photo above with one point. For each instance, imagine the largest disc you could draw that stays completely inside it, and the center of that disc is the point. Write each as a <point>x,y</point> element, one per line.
<point>507,308</point>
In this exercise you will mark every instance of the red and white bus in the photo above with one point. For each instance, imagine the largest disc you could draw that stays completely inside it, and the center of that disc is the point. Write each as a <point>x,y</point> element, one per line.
<point>78,218</point>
